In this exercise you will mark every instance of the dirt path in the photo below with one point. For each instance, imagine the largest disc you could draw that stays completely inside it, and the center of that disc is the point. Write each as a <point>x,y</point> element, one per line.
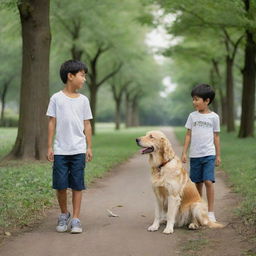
<point>127,192</point>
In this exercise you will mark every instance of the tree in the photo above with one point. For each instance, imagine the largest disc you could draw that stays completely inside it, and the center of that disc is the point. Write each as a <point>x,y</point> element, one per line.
<point>102,43</point>
<point>249,76</point>
<point>118,87</point>
<point>10,55</point>
<point>31,142</point>
<point>205,15</point>
<point>146,85</point>
<point>231,50</point>
<point>206,50</point>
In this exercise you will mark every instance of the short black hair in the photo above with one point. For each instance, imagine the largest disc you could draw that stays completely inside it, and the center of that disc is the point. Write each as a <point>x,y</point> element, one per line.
<point>203,91</point>
<point>73,67</point>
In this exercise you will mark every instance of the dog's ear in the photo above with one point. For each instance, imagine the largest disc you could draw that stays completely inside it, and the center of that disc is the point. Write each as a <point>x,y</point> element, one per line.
<point>166,150</point>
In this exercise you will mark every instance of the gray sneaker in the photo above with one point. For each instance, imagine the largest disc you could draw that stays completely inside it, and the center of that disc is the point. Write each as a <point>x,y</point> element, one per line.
<point>63,222</point>
<point>76,227</point>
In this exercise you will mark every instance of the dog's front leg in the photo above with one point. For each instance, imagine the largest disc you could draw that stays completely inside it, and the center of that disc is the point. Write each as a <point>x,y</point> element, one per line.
<point>173,206</point>
<point>158,214</point>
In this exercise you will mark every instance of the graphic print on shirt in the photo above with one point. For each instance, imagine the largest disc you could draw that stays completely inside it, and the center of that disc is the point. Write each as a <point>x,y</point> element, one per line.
<point>203,124</point>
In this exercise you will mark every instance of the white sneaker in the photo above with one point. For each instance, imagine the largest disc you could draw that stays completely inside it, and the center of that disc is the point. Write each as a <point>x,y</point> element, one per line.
<point>211,217</point>
<point>63,222</point>
<point>76,227</point>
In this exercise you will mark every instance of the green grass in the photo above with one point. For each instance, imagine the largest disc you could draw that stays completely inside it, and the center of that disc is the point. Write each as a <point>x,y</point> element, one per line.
<point>192,247</point>
<point>7,139</point>
<point>239,162</point>
<point>25,188</point>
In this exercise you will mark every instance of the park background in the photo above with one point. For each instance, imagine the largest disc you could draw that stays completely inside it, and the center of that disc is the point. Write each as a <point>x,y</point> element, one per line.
<point>144,57</point>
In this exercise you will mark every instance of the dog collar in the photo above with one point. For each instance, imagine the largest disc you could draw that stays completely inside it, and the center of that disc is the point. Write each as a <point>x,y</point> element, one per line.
<point>164,163</point>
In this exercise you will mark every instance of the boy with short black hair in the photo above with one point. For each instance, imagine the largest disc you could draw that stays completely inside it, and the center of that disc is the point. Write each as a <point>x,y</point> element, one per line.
<point>69,114</point>
<point>203,127</point>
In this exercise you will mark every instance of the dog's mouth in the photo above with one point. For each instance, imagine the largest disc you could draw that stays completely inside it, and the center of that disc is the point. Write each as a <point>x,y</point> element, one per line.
<point>147,150</point>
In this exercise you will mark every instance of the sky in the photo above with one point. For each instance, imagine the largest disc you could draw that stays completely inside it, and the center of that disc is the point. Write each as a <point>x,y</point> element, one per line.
<point>158,39</point>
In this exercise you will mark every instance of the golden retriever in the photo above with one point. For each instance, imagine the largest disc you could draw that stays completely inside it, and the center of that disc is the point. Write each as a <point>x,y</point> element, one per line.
<point>177,199</point>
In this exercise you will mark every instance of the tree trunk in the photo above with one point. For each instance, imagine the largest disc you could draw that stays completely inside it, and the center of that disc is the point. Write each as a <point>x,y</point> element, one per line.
<point>2,111</point>
<point>230,95</point>
<point>31,142</point>
<point>249,76</point>
<point>222,98</point>
<point>135,112</point>
<point>223,109</point>
<point>93,102</point>
<point>128,111</point>
<point>117,114</point>
<point>3,98</point>
<point>215,103</point>
<point>248,95</point>
<point>76,53</point>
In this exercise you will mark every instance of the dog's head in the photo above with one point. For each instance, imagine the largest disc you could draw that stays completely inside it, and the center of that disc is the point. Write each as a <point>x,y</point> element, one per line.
<point>155,142</point>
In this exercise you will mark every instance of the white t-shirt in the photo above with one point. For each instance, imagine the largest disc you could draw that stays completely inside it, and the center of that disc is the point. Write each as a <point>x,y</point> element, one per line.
<point>202,128</point>
<point>70,114</point>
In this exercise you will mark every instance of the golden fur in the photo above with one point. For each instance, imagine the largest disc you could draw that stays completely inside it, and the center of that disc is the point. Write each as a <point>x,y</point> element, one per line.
<point>177,199</point>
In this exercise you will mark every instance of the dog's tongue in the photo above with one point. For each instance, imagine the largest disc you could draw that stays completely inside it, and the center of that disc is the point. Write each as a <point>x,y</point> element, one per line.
<point>142,150</point>
<point>146,150</point>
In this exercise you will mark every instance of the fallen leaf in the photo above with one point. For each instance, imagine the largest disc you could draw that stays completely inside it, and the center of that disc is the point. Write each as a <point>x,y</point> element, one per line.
<point>7,233</point>
<point>111,214</point>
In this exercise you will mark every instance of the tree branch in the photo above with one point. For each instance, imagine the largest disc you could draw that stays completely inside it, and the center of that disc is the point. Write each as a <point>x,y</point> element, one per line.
<point>110,75</point>
<point>236,46</point>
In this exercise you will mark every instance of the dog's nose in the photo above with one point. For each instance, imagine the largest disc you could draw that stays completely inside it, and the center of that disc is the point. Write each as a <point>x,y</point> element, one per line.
<point>137,140</point>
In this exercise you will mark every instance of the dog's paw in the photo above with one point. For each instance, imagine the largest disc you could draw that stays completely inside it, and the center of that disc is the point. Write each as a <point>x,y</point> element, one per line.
<point>193,226</point>
<point>168,230</point>
<point>153,228</point>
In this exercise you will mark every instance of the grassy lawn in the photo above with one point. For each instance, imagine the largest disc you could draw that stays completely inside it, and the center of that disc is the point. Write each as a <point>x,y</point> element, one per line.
<point>25,189</point>
<point>239,162</point>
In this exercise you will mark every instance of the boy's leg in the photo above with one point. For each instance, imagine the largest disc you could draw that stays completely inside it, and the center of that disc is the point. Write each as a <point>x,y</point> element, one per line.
<point>196,173</point>
<point>62,199</point>
<point>76,201</point>
<point>60,180</point>
<point>210,194</point>
<point>76,182</point>
<point>64,217</point>
<point>199,186</point>
<point>209,180</point>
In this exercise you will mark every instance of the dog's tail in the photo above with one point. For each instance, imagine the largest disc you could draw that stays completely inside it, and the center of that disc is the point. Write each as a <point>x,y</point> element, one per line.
<point>211,224</point>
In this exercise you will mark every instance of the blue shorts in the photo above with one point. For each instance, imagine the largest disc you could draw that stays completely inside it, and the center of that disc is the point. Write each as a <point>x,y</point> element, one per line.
<point>202,168</point>
<point>68,172</point>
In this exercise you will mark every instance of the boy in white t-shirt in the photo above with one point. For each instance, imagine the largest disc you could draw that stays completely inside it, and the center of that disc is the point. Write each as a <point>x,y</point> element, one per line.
<point>69,114</point>
<point>203,127</point>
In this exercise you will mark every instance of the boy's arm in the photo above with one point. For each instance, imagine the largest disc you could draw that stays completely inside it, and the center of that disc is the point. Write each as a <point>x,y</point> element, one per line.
<point>88,134</point>
<point>185,147</point>
<point>217,148</point>
<point>51,131</point>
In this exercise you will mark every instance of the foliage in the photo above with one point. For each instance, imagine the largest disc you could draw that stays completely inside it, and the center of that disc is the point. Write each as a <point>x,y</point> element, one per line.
<point>119,31</point>
<point>199,31</point>
<point>10,53</point>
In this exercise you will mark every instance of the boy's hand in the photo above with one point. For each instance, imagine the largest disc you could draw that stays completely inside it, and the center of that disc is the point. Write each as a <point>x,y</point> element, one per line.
<point>50,155</point>
<point>89,155</point>
<point>217,161</point>
<point>184,158</point>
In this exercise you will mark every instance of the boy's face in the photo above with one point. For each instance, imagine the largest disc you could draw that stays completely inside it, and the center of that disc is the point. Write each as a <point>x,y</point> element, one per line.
<point>78,79</point>
<point>199,103</point>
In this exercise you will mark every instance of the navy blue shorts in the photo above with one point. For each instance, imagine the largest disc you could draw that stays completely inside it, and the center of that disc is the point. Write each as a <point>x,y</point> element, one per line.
<point>68,172</point>
<point>202,168</point>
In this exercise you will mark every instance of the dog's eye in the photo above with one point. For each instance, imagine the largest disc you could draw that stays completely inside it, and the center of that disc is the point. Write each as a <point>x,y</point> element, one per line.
<point>150,136</point>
